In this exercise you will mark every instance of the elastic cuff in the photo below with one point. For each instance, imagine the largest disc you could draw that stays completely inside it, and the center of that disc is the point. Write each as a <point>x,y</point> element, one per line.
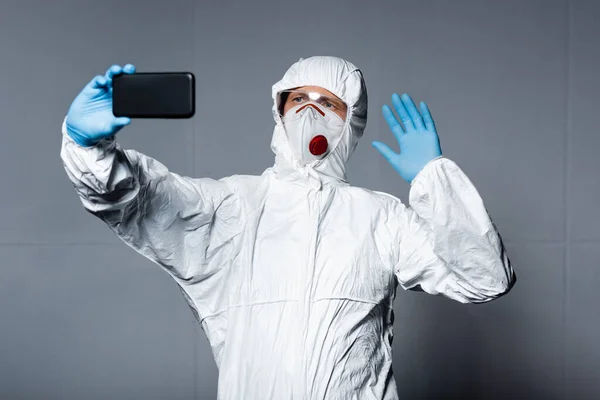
<point>426,167</point>
<point>70,139</point>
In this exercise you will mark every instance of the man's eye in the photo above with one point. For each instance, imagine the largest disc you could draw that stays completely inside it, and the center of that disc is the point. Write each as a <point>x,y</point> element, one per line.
<point>329,105</point>
<point>297,99</point>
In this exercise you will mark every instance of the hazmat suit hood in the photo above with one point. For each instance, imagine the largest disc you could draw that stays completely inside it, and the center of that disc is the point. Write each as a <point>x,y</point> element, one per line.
<point>344,80</point>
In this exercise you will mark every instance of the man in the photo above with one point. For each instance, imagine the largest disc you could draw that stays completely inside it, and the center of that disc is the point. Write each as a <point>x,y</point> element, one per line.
<point>292,274</point>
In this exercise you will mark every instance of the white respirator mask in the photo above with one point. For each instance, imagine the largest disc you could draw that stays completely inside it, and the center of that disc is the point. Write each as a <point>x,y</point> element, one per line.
<point>312,131</point>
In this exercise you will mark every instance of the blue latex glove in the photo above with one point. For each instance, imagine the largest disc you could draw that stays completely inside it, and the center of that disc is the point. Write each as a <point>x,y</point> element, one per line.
<point>419,142</point>
<point>90,117</point>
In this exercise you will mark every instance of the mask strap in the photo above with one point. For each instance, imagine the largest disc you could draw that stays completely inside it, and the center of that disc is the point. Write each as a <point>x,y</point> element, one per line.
<point>313,106</point>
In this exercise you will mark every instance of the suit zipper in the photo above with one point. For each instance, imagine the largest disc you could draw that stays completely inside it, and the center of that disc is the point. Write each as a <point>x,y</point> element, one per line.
<point>314,215</point>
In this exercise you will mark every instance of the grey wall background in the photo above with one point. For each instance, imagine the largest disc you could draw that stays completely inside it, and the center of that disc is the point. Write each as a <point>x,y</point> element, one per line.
<point>512,85</point>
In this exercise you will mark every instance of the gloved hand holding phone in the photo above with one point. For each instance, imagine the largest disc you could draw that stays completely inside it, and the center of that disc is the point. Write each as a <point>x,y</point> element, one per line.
<point>90,117</point>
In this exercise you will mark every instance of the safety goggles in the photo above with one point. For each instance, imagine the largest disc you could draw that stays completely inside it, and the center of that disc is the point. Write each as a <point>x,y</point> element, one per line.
<point>299,97</point>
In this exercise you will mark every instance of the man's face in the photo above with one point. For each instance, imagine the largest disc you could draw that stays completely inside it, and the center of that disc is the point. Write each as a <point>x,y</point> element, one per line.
<point>332,102</point>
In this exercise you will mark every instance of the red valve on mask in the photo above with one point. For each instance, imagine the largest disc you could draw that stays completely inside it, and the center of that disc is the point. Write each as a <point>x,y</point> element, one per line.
<point>318,145</point>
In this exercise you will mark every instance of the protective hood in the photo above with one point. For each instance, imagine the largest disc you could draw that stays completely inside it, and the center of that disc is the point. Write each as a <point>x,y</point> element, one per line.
<point>344,80</point>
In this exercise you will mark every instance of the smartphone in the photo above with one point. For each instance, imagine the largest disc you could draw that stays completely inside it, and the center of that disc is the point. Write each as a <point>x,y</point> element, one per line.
<point>154,95</point>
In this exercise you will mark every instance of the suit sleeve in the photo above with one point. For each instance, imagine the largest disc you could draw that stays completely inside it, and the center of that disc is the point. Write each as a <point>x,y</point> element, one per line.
<point>445,242</point>
<point>184,225</point>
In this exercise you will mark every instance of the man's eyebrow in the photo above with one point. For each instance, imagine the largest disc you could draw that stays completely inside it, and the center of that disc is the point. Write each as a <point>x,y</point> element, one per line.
<point>339,101</point>
<point>334,97</point>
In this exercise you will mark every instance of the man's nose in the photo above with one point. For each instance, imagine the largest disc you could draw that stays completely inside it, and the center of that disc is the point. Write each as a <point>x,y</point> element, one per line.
<point>312,106</point>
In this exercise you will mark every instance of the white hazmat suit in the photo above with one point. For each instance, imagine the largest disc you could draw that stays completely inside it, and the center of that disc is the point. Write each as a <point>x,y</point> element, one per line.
<point>292,274</point>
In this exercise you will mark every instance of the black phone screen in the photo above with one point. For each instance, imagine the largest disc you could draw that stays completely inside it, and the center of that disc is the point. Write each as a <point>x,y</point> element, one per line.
<point>154,95</point>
